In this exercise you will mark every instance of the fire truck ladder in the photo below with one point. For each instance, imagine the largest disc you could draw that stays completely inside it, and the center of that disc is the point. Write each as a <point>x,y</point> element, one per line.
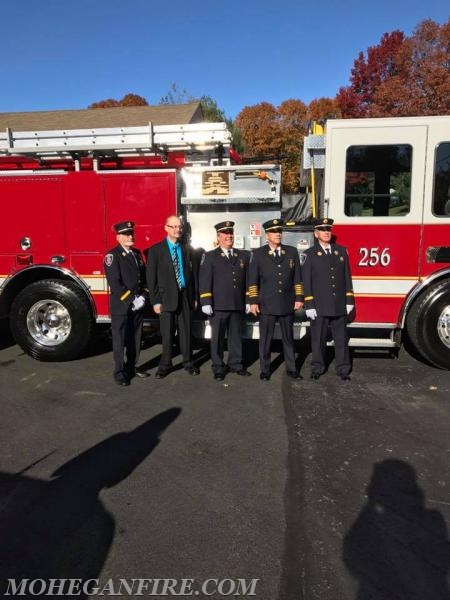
<point>145,140</point>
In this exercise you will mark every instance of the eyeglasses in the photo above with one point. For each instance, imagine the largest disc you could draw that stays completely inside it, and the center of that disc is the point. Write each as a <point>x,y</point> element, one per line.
<point>175,226</point>
<point>324,228</point>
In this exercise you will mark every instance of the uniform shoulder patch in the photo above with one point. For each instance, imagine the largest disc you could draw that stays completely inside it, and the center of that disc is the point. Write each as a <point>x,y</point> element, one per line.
<point>109,259</point>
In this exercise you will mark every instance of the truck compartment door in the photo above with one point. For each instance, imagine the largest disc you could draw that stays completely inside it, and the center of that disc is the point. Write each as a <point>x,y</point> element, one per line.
<point>33,225</point>
<point>147,198</point>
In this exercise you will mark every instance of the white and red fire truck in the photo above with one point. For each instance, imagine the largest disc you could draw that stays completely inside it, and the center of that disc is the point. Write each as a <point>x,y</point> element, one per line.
<point>385,182</point>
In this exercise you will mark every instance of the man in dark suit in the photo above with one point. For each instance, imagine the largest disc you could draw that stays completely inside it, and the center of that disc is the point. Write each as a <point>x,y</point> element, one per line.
<point>223,275</point>
<point>275,292</point>
<point>329,299</point>
<point>171,287</point>
<point>125,273</point>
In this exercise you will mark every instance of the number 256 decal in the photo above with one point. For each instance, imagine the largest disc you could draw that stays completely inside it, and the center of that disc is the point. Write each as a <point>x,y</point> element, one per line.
<point>371,257</point>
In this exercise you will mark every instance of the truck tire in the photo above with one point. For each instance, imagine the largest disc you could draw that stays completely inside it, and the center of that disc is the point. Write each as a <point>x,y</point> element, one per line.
<point>428,324</point>
<point>51,320</point>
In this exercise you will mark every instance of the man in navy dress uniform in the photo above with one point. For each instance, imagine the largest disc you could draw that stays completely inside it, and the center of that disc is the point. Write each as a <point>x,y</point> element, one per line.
<point>125,273</point>
<point>275,292</point>
<point>329,299</point>
<point>223,285</point>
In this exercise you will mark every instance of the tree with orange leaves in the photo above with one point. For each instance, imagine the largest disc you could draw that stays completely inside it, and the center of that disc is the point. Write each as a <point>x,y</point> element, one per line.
<point>272,133</point>
<point>421,82</point>
<point>127,100</point>
<point>368,73</point>
<point>258,125</point>
<point>402,76</point>
<point>292,119</point>
<point>322,109</point>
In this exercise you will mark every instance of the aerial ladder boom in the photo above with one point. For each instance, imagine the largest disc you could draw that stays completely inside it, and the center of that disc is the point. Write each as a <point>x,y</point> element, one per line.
<point>120,141</point>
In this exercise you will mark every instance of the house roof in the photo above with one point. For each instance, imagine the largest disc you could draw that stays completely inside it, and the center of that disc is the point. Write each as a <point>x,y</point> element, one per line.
<point>93,118</point>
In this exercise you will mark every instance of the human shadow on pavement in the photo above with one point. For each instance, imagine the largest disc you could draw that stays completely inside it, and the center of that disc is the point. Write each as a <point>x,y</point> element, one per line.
<point>397,548</point>
<point>60,529</point>
<point>250,352</point>
<point>101,341</point>
<point>303,351</point>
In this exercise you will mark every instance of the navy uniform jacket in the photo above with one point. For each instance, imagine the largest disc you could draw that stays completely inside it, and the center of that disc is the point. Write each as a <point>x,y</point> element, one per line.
<point>223,280</point>
<point>327,281</point>
<point>275,285</point>
<point>161,279</point>
<point>125,273</point>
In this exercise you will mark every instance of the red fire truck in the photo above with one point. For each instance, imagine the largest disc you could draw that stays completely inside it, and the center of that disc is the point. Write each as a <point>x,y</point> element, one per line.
<point>386,183</point>
<point>61,192</point>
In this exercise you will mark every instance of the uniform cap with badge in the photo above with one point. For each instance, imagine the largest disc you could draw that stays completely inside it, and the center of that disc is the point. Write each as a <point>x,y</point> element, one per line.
<point>323,224</point>
<point>273,226</point>
<point>124,228</point>
<point>225,227</point>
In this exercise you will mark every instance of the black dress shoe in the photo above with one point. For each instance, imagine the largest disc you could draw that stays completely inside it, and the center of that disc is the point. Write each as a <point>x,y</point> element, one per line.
<point>142,374</point>
<point>345,377</point>
<point>161,374</point>
<point>192,370</point>
<point>219,376</point>
<point>264,376</point>
<point>315,375</point>
<point>242,373</point>
<point>122,381</point>
<point>294,374</point>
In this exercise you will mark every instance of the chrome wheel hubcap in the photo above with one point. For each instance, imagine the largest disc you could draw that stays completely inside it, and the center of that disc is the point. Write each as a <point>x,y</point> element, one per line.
<point>49,322</point>
<point>443,326</point>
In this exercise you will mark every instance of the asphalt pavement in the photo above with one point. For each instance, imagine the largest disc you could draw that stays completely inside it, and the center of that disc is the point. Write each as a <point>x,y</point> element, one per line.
<point>318,489</point>
<point>369,482</point>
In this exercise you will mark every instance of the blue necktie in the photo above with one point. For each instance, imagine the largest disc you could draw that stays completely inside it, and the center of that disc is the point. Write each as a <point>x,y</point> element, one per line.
<point>176,266</point>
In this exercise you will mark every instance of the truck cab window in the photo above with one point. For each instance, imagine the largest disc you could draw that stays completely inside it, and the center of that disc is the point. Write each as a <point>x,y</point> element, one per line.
<point>441,183</point>
<point>378,181</point>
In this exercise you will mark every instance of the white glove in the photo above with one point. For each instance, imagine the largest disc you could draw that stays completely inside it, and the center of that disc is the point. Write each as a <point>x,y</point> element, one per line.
<point>311,313</point>
<point>208,310</point>
<point>349,308</point>
<point>247,309</point>
<point>138,303</point>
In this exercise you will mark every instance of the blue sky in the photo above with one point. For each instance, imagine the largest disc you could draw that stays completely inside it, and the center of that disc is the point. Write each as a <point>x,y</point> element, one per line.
<point>66,55</point>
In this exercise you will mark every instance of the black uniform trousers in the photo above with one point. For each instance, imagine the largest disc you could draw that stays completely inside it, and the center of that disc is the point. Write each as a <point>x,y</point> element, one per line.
<point>266,331</point>
<point>230,323</point>
<point>318,329</point>
<point>126,340</point>
<point>171,321</point>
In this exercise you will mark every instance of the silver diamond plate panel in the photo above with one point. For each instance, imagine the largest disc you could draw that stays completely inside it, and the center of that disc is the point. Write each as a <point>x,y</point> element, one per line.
<point>314,152</point>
